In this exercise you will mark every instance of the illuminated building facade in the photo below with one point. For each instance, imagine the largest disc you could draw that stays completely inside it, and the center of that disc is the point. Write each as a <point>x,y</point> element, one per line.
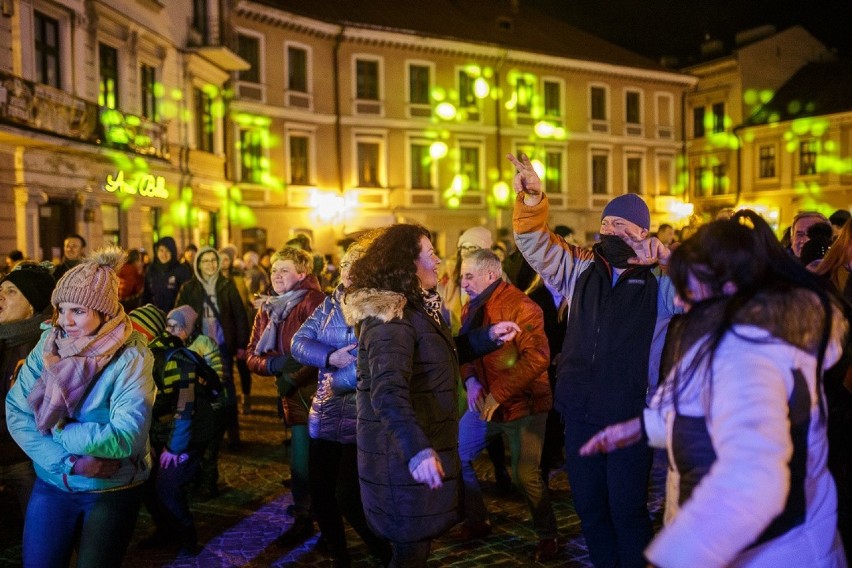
<point>735,159</point>
<point>112,122</point>
<point>355,115</point>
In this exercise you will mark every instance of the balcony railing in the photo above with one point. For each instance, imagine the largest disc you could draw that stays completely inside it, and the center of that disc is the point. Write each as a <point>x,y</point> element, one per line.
<point>46,109</point>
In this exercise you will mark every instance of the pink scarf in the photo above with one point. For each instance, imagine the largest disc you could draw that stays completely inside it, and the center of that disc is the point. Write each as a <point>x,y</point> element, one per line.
<point>69,367</point>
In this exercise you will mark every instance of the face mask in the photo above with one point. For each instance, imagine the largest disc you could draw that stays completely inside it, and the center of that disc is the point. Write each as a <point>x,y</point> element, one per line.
<point>616,251</point>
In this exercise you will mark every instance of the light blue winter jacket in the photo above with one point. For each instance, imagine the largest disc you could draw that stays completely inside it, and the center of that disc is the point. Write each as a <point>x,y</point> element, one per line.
<point>112,421</point>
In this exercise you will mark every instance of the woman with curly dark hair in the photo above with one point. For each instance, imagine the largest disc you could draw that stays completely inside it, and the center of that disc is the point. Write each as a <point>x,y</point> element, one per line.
<point>407,432</point>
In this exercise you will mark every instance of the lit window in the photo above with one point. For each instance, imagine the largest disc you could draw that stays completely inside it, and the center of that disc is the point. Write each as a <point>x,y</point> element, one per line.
<point>368,164</point>
<point>807,157</point>
<point>108,66</point>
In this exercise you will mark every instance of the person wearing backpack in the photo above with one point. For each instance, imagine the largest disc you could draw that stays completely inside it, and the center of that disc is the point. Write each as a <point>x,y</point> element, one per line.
<point>181,429</point>
<point>181,322</point>
<point>221,317</point>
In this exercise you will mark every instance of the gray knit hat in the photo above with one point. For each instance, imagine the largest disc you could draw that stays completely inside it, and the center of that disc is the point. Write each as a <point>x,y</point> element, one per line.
<point>93,283</point>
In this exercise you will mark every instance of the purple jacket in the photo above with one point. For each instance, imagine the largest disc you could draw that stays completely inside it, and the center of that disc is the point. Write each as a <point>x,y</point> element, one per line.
<point>333,413</point>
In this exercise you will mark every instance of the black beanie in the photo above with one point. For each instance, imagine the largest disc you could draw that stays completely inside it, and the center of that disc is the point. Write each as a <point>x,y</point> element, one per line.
<point>35,283</point>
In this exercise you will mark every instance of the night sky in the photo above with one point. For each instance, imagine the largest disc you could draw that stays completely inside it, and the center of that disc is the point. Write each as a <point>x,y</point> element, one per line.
<point>657,28</point>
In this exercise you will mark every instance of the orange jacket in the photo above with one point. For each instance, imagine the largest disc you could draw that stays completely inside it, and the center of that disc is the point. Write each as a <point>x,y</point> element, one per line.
<point>515,374</point>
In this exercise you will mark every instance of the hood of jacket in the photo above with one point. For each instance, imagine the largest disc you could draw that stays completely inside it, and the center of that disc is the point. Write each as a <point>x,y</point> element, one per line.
<point>196,265</point>
<point>170,244</point>
<point>794,316</point>
<point>370,302</point>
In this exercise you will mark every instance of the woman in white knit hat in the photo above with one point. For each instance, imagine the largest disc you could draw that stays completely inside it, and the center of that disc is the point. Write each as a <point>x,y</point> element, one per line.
<point>81,410</point>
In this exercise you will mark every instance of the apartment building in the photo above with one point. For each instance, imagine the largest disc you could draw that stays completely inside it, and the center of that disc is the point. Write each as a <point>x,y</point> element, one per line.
<point>731,88</point>
<point>112,122</point>
<point>355,115</point>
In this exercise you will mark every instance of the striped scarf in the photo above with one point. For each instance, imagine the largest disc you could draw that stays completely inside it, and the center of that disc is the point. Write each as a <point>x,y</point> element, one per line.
<point>70,365</point>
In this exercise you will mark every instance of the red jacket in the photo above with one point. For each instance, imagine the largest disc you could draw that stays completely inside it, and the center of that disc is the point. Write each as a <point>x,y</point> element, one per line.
<point>516,374</point>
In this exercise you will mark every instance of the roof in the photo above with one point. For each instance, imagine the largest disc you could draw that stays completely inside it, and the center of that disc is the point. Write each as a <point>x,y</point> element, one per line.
<point>489,22</point>
<point>817,89</point>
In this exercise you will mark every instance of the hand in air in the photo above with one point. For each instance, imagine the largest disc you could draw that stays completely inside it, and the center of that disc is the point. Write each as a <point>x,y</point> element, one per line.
<point>613,437</point>
<point>649,250</point>
<point>526,181</point>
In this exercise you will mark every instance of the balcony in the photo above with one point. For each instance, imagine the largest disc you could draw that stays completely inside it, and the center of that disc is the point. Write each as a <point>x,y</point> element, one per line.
<point>42,108</point>
<point>133,133</point>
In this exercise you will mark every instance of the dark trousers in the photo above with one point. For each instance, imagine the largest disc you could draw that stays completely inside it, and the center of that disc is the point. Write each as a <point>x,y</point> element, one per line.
<point>245,376</point>
<point>99,524</point>
<point>410,554</point>
<point>224,419</point>
<point>611,497</point>
<point>165,497</point>
<point>336,493</point>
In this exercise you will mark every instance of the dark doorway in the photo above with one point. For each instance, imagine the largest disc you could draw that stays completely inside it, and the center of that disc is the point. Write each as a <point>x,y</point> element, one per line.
<point>56,221</point>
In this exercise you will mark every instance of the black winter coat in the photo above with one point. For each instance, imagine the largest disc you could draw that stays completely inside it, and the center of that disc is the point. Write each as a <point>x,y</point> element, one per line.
<point>406,398</point>
<point>233,318</point>
<point>408,369</point>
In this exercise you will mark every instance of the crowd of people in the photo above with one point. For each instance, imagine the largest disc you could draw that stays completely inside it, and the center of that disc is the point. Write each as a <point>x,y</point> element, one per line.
<point>395,369</point>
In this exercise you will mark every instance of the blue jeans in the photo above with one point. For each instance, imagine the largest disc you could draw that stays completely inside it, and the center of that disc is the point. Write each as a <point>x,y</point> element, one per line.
<point>101,524</point>
<point>525,436</point>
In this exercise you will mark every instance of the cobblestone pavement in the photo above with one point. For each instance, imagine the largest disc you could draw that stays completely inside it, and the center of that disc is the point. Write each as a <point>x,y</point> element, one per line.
<point>237,529</point>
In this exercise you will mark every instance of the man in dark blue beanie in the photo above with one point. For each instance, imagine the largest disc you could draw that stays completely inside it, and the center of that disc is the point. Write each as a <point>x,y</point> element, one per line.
<point>621,304</point>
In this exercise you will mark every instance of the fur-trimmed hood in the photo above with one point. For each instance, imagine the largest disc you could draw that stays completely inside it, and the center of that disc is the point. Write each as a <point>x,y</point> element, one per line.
<point>794,316</point>
<point>371,302</point>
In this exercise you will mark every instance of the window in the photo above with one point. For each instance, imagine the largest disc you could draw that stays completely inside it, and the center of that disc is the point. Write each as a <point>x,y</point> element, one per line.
<point>718,118</point>
<point>297,69</point>
<point>807,157</point>
<point>767,161</point>
<point>204,133</point>
<point>553,172</point>
<point>698,122</point>
<point>108,67</point>
<point>467,92</point>
<point>421,166</point>
<point>111,223</point>
<point>664,110</point>
<point>600,174</point>
<point>720,181</point>
<point>368,164</point>
<point>418,84</point>
<point>199,19</point>
<point>598,103</point>
<point>148,91</point>
<point>248,47</point>
<point>367,79</point>
<point>470,167</point>
<point>253,161</point>
<point>699,181</point>
<point>299,160</point>
<point>632,107</point>
<point>634,174</point>
<point>47,50</point>
<point>552,99</point>
<point>664,175</point>
<point>524,96</point>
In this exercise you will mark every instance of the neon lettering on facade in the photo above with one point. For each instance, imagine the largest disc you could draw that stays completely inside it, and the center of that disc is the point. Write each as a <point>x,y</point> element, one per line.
<point>145,185</point>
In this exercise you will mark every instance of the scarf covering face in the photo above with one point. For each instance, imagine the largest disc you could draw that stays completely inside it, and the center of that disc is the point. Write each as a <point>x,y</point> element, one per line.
<point>70,365</point>
<point>432,303</point>
<point>277,308</point>
<point>616,251</point>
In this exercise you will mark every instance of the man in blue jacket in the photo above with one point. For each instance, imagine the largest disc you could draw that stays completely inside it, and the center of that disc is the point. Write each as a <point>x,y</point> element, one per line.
<point>620,308</point>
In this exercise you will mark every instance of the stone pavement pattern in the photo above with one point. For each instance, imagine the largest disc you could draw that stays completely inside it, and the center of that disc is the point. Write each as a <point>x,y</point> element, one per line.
<point>237,529</point>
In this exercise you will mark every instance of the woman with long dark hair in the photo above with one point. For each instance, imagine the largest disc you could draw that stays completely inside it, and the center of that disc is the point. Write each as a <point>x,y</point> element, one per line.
<point>407,431</point>
<point>741,410</point>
